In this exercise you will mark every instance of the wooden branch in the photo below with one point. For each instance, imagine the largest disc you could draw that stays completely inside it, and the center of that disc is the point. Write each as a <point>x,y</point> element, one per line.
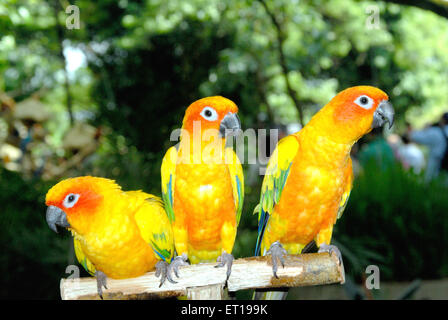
<point>247,273</point>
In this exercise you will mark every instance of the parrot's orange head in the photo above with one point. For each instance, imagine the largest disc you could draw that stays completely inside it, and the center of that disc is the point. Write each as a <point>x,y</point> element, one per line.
<point>72,203</point>
<point>356,111</point>
<point>216,113</point>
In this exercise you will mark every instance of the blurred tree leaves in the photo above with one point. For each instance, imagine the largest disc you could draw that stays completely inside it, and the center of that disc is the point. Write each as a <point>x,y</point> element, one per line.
<point>327,46</point>
<point>156,81</point>
<point>403,237</point>
<point>32,258</point>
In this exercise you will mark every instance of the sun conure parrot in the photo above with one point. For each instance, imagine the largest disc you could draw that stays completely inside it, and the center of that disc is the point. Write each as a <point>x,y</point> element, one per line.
<point>117,234</point>
<point>309,175</point>
<point>203,185</point>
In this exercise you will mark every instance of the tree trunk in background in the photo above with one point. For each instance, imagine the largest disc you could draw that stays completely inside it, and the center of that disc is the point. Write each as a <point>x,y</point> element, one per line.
<point>282,60</point>
<point>60,37</point>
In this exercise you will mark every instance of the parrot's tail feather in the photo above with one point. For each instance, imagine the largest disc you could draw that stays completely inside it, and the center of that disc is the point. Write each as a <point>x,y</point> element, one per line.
<point>270,295</point>
<point>257,209</point>
<point>310,247</point>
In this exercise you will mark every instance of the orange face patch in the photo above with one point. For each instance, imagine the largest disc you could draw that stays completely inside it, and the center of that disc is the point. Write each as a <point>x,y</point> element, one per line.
<point>75,195</point>
<point>356,103</point>
<point>209,112</point>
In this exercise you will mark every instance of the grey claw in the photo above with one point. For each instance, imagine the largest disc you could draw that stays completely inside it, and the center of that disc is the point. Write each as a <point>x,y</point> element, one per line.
<point>225,259</point>
<point>277,252</point>
<point>165,270</point>
<point>333,249</point>
<point>177,262</point>
<point>161,271</point>
<point>101,281</point>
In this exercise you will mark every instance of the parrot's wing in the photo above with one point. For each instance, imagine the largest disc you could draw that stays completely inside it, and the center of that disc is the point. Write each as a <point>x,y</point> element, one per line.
<point>168,172</point>
<point>237,178</point>
<point>348,189</point>
<point>82,258</point>
<point>161,238</point>
<point>274,181</point>
<point>154,226</point>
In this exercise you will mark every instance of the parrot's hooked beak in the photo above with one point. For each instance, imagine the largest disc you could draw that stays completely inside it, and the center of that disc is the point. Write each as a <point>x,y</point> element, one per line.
<point>230,125</point>
<point>384,113</point>
<point>56,217</point>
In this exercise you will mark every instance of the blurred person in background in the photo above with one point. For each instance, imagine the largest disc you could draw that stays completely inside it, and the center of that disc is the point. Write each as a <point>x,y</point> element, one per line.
<point>434,137</point>
<point>410,155</point>
<point>377,150</point>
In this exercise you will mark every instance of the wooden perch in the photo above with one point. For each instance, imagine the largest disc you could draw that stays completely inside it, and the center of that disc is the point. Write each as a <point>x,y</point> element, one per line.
<point>204,281</point>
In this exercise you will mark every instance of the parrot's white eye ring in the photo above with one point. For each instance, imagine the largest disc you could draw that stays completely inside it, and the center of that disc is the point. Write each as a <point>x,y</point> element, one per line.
<point>364,102</point>
<point>210,114</point>
<point>70,200</point>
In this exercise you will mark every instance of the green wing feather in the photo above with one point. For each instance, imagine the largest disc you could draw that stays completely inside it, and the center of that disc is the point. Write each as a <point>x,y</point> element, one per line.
<point>237,179</point>
<point>82,258</point>
<point>155,227</point>
<point>274,181</point>
<point>161,238</point>
<point>168,174</point>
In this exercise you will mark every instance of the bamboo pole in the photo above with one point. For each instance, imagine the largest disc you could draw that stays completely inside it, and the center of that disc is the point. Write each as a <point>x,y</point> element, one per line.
<point>196,280</point>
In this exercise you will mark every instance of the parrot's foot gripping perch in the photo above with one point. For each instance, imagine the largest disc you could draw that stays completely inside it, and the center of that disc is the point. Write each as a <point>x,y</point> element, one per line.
<point>165,270</point>
<point>333,249</point>
<point>225,259</point>
<point>277,252</point>
<point>101,281</point>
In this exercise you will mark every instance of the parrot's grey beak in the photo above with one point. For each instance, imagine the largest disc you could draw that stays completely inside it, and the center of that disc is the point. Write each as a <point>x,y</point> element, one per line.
<point>56,217</point>
<point>230,125</point>
<point>384,113</point>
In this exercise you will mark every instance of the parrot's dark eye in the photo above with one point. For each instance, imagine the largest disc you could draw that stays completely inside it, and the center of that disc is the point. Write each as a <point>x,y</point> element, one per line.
<point>364,102</point>
<point>210,114</point>
<point>70,200</point>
